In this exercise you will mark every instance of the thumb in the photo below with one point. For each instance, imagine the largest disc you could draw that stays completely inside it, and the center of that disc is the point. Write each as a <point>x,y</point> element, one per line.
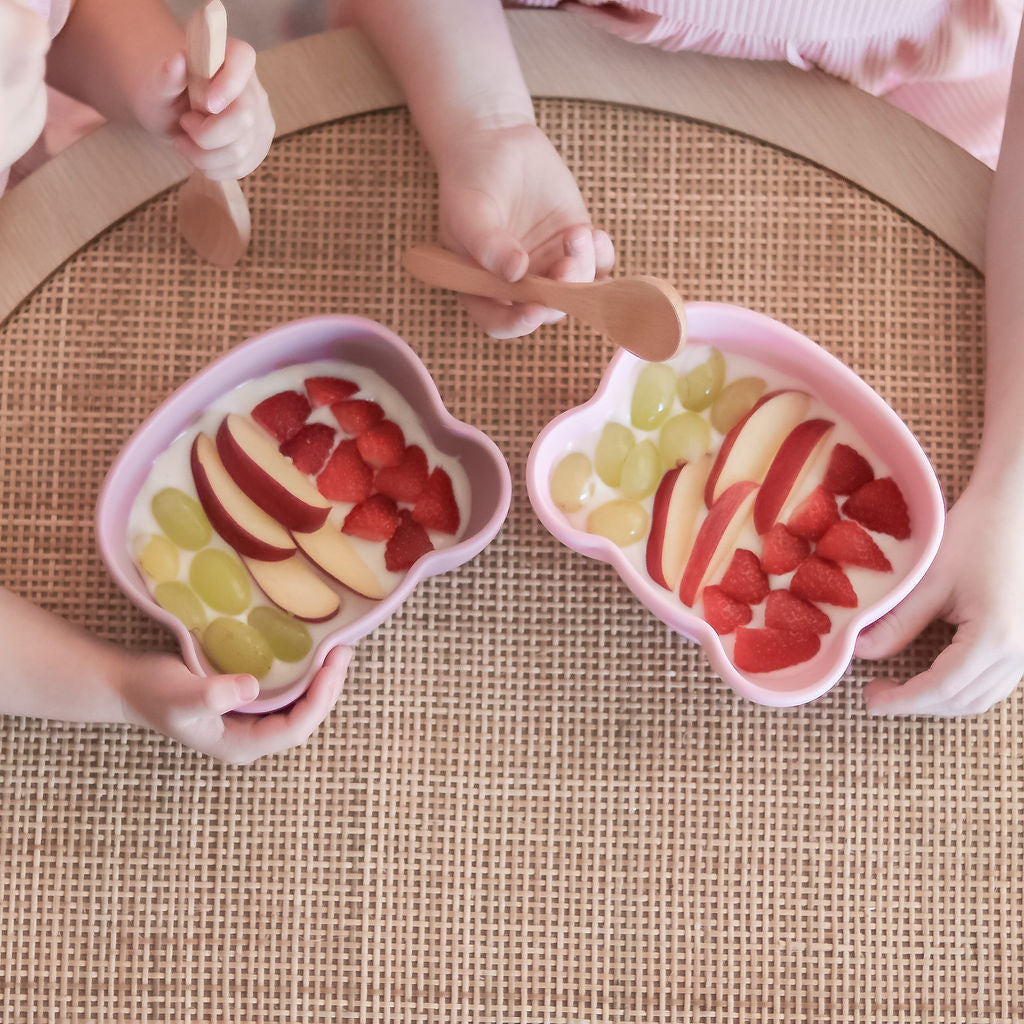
<point>481,235</point>
<point>897,628</point>
<point>217,695</point>
<point>170,79</point>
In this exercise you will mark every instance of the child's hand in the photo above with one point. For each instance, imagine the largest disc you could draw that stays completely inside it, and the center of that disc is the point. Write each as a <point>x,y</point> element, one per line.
<point>509,202</point>
<point>160,693</point>
<point>977,583</point>
<point>232,134</point>
<point>24,42</point>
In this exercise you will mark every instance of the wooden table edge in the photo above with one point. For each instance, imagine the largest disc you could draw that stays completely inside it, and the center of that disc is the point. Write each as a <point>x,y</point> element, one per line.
<point>109,173</point>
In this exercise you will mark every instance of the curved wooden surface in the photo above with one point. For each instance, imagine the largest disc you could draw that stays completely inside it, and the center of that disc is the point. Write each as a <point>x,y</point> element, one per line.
<point>337,74</point>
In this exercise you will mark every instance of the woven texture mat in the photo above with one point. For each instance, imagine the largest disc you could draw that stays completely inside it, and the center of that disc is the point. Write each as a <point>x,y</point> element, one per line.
<point>533,801</point>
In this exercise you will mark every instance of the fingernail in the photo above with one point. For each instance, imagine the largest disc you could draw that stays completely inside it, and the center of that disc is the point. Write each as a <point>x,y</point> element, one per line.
<point>576,243</point>
<point>248,689</point>
<point>511,266</point>
<point>215,104</point>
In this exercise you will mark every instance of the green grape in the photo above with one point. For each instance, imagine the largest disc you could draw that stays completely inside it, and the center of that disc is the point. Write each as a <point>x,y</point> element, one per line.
<point>700,387</point>
<point>612,448</point>
<point>221,581</point>
<point>571,482</point>
<point>182,518</point>
<point>180,600</point>
<point>234,646</point>
<point>684,438</point>
<point>641,471</point>
<point>621,521</point>
<point>289,639</point>
<point>734,401</point>
<point>158,558</point>
<point>653,396</point>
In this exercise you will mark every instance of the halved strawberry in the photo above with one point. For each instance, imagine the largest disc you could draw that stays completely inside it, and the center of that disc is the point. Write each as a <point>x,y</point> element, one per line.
<point>724,613</point>
<point>816,580</point>
<point>408,543</point>
<point>405,481</point>
<point>328,390</point>
<point>745,580</point>
<point>784,610</point>
<point>376,518</point>
<point>356,415</point>
<point>879,505</point>
<point>436,508</point>
<point>345,477</point>
<point>309,448</point>
<point>847,470</point>
<point>382,445</point>
<point>783,551</point>
<point>848,543</point>
<point>814,515</point>
<point>768,649</point>
<point>282,415</point>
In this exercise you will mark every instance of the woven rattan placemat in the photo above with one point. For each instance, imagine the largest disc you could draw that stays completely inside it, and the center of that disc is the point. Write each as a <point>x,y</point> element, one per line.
<point>533,801</point>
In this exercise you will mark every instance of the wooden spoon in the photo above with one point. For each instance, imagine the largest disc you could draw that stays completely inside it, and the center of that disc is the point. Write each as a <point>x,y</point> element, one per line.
<point>213,216</point>
<point>643,315</point>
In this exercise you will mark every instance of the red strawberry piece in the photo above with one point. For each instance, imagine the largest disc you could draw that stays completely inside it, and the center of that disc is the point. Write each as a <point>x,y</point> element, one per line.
<point>814,515</point>
<point>356,415</point>
<point>436,508</point>
<point>382,445</point>
<point>309,448</point>
<point>784,610</point>
<point>768,649</point>
<point>282,415</point>
<point>848,543</point>
<point>345,477</point>
<point>408,543</point>
<point>405,481</point>
<point>879,506</point>
<point>376,518</point>
<point>783,551</point>
<point>745,580</point>
<point>847,470</point>
<point>328,390</point>
<point>724,613</point>
<point>816,580</point>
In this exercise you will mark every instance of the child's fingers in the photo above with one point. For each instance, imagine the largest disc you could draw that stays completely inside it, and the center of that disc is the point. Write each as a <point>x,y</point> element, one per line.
<point>230,81</point>
<point>236,160</point>
<point>604,253</point>
<point>216,131</point>
<point>246,739</point>
<point>218,695</point>
<point>504,320</point>
<point>897,628</point>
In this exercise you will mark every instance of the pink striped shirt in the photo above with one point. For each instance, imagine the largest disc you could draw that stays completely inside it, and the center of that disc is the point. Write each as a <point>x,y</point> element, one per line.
<point>946,62</point>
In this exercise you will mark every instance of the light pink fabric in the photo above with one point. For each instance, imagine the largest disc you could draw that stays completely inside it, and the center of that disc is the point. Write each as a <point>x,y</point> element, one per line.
<point>946,62</point>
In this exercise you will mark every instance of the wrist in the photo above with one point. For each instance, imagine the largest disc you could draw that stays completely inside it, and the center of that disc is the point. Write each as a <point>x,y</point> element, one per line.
<point>448,139</point>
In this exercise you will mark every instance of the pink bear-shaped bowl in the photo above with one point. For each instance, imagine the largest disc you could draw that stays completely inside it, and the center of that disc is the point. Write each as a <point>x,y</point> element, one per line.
<point>348,339</point>
<point>743,332</point>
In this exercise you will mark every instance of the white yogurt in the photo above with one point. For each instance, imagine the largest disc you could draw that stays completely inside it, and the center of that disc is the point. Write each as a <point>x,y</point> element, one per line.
<point>173,469</point>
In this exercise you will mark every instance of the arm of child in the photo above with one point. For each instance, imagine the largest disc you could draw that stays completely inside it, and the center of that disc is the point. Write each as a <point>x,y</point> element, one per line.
<point>126,58</point>
<point>55,670</point>
<point>977,580</point>
<point>24,41</point>
<point>506,197</point>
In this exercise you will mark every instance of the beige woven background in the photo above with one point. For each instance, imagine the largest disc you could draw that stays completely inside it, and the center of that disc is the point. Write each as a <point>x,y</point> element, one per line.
<point>533,802</point>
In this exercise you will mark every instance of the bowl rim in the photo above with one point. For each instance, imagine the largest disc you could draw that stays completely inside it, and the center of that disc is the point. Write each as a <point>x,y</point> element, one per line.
<point>278,347</point>
<point>813,360</point>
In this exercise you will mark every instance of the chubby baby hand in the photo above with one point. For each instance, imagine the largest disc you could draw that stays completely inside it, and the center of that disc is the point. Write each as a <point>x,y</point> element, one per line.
<point>161,693</point>
<point>509,202</point>
<point>231,133</point>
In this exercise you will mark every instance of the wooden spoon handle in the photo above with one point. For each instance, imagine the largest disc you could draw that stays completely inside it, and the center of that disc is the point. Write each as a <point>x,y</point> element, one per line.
<point>442,268</point>
<point>206,37</point>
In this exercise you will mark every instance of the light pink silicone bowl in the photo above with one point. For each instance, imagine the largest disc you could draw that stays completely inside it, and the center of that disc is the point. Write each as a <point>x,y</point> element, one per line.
<point>747,333</point>
<point>349,339</point>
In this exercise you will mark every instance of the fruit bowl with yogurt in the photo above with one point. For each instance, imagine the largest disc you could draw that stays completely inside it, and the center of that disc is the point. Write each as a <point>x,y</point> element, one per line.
<point>753,492</point>
<point>292,495</point>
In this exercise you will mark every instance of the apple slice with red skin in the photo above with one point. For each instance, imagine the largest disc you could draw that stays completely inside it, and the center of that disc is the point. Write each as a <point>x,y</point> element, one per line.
<point>796,455</point>
<point>716,538</point>
<point>268,477</point>
<point>238,519</point>
<point>295,587</point>
<point>748,449</point>
<point>330,550</point>
<point>677,501</point>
